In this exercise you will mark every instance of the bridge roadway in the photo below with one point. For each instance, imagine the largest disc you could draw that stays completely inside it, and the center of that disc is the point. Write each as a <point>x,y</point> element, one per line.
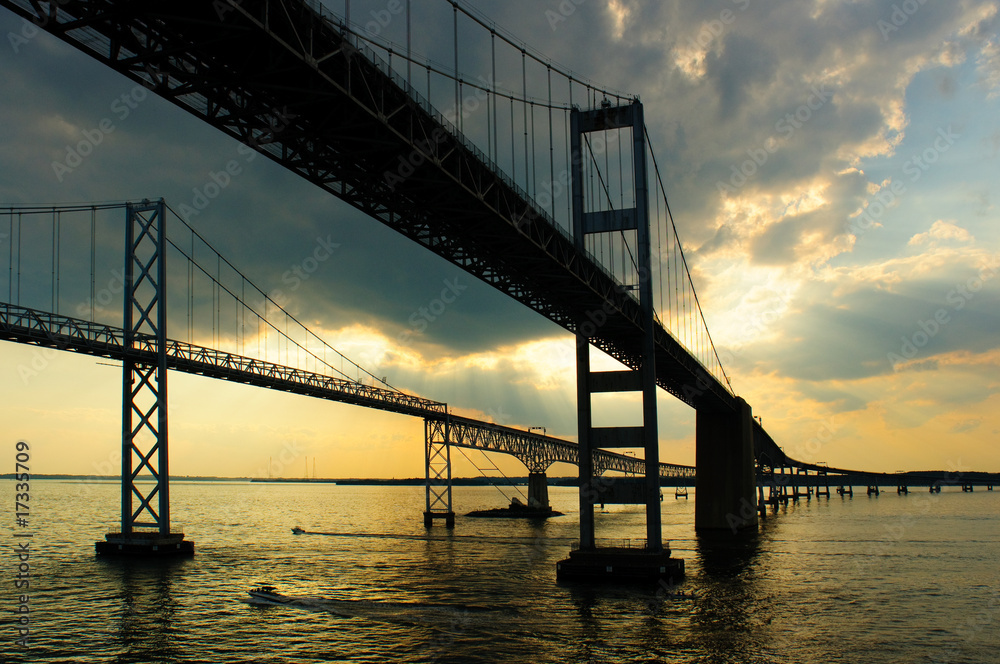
<point>288,80</point>
<point>538,452</point>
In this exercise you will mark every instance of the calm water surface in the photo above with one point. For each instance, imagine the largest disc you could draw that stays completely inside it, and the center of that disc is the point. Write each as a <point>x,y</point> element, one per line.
<point>891,579</point>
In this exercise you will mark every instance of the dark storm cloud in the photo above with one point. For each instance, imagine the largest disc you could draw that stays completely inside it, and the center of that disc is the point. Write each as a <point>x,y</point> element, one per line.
<point>742,64</point>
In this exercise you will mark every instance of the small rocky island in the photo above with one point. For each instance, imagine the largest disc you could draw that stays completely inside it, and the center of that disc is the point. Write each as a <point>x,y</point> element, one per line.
<point>516,510</point>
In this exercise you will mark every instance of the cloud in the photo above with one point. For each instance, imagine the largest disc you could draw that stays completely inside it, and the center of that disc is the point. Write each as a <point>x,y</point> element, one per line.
<point>942,231</point>
<point>966,426</point>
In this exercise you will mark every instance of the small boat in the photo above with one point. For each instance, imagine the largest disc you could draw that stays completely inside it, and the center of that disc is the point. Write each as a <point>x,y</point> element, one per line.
<point>269,594</point>
<point>298,531</point>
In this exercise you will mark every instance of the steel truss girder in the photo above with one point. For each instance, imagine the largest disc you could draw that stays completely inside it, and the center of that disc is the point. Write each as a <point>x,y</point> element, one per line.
<point>537,452</point>
<point>23,325</point>
<point>280,77</point>
<point>144,376</point>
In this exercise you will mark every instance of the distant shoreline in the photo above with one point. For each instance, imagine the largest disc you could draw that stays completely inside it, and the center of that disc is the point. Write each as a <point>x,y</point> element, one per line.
<point>376,481</point>
<point>914,478</point>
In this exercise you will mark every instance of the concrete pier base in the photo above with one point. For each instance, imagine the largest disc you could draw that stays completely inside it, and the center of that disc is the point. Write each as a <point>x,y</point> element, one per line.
<point>538,491</point>
<point>726,484</point>
<point>620,565</point>
<point>430,517</point>
<point>144,545</point>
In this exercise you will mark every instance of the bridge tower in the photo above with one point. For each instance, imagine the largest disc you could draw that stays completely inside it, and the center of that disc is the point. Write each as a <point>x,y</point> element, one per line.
<point>145,515</point>
<point>437,472</point>
<point>590,561</point>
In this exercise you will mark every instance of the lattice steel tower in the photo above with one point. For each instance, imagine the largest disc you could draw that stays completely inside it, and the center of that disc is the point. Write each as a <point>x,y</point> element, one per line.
<point>145,517</point>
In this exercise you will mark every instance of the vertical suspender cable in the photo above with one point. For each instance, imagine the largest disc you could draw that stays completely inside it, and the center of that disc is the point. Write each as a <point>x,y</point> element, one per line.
<point>409,52</point>
<point>58,257</point>
<point>10,257</point>
<point>659,246</point>
<point>552,150</point>
<point>458,90</point>
<point>513,151</point>
<point>218,296</point>
<point>52,284</point>
<point>669,265</point>
<point>606,201</point>
<point>212,313</point>
<point>524,105</point>
<point>627,266</point>
<point>683,309</point>
<point>493,81</point>
<point>18,258</point>
<point>93,260</point>
<point>190,293</point>
<point>689,313</point>
<point>621,204</point>
<point>491,103</point>
<point>534,155</point>
<point>677,319</point>
<point>621,172</point>
<point>569,156</point>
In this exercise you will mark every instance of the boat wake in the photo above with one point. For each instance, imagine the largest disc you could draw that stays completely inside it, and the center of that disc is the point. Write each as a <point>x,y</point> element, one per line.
<point>444,617</point>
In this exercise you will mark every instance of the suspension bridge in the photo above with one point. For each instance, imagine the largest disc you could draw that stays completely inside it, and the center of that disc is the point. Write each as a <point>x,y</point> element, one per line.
<point>545,187</point>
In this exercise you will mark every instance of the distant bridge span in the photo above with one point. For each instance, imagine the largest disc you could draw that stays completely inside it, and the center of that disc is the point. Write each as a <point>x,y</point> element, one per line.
<point>537,451</point>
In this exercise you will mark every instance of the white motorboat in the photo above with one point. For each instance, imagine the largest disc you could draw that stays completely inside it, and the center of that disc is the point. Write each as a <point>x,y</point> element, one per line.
<point>268,594</point>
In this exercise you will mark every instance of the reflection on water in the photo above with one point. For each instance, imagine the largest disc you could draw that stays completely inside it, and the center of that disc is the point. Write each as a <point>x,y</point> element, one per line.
<point>144,606</point>
<point>484,592</point>
<point>732,615</point>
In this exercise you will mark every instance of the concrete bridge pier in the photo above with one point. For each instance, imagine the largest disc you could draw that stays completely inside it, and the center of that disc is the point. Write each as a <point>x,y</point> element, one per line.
<point>724,457</point>
<point>538,490</point>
